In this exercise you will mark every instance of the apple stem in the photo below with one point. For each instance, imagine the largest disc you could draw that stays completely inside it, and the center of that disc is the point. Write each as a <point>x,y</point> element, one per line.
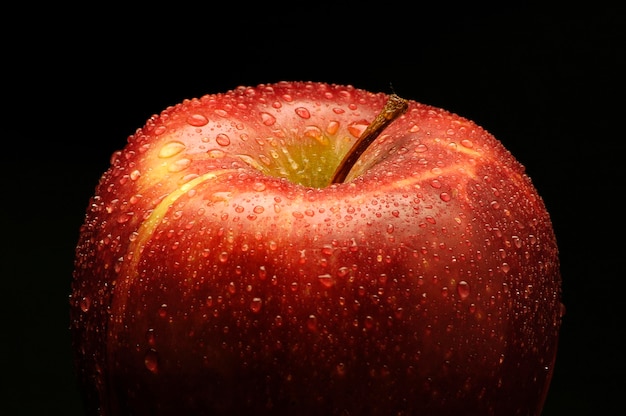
<point>394,108</point>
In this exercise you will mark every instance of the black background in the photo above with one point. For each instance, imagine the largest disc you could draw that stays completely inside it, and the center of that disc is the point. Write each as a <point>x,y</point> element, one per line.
<point>78,81</point>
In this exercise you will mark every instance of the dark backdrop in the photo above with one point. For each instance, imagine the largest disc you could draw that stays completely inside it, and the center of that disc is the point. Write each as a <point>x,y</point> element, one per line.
<point>78,81</point>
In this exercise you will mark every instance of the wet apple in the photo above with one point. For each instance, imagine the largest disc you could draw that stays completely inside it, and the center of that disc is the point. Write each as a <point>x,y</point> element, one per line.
<point>246,253</point>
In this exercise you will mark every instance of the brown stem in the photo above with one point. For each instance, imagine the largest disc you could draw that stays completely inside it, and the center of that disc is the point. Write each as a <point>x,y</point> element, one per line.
<point>394,108</point>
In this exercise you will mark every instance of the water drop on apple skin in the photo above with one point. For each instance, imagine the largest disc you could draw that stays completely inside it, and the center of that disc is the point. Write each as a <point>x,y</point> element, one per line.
<point>171,149</point>
<point>268,119</point>
<point>463,289</point>
<point>222,139</point>
<point>85,304</point>
<point>151,361</point>
<point>197,120</point>
<point>326,280</point>
<point>303,112</point>
<point>256,304</point>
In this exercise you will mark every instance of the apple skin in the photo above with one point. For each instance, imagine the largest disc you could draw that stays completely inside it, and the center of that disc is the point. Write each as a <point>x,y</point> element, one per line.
<point>218,273</point>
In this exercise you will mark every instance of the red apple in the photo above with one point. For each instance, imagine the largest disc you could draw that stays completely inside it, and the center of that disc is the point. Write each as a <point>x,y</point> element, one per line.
<point>226,267</point>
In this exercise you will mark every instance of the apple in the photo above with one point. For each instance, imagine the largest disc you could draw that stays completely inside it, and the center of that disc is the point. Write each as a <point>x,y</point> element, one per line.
<point>304,248</point>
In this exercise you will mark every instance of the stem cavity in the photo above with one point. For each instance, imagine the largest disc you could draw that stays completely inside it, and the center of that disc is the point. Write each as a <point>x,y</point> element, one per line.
<point>394,108</point>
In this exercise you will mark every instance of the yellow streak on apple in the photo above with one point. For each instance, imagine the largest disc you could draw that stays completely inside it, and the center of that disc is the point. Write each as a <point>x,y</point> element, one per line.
<point>427,175</point>
<point>148,226</point>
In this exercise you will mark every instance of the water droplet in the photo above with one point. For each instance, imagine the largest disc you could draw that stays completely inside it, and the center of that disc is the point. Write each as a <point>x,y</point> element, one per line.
<point>171,149</point>
<point>382,278</point>
<point>255,305</point>
<point>505,267</point>
<point>314,132</point>
<point>124,217</point>
<point>85,304</point>
<point>332,127</point>
<point>222,139</point>
<point>311,323</point>
<point>528,291</point>
<point>118,264</point>
<point>357,128</point>
<point>262,272</point>
<point>463,289</point>
<point>179,165</point>
<point>216,153</point>
<point>343,271</point>
<point>150,338</point>
<point>134,175</point>
<point>197,120</point>
<point>421,148</point>
<point>223,257</point>
<point>445,197</point>
<point>266,160</point>
<point>303,112</point>
<point>162,312</point>
<point>326,280</point>
<point>467,143</point>
<point>268,119</point>
<point>151,361</point>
